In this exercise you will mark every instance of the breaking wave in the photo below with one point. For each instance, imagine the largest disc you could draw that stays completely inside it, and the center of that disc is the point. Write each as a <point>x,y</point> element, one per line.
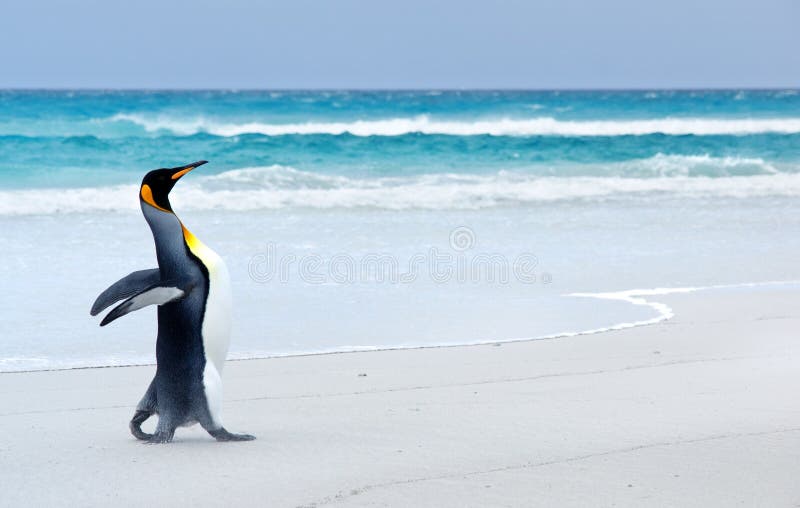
<point>278,187</point>
<point>543,126</point>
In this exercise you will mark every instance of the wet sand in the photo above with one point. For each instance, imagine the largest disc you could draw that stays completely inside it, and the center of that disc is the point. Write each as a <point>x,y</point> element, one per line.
<point>700,410</point>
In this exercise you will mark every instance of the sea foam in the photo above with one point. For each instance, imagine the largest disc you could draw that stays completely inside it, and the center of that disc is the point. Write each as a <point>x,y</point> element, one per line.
<point>424,124</point>
<point>279,187</point>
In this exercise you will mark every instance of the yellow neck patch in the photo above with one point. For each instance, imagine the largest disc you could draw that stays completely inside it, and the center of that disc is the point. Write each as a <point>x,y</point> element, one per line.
<point>190,239</point>
<point>208,257</point>
<point>147,197</point>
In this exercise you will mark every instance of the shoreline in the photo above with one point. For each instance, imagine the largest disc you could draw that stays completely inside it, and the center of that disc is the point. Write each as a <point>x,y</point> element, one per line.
<point>632,296</point>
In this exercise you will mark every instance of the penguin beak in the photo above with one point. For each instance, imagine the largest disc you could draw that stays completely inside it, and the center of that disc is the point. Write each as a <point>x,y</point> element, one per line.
<point>182,170</point>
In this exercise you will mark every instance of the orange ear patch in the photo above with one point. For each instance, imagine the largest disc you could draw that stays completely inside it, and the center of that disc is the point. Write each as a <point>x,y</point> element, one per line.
<point>181,173</point>
<point>147,197</point>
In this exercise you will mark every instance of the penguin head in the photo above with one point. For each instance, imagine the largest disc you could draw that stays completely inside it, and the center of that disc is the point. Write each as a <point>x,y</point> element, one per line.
<point>157,184</point>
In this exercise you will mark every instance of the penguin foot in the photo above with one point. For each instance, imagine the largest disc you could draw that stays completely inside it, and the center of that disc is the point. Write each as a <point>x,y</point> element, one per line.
<point>161,437</point>
<point>136,425</point>
<point>223,435</point>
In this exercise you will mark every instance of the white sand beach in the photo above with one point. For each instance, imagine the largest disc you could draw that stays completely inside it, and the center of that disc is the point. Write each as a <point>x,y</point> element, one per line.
<point>699,410</point>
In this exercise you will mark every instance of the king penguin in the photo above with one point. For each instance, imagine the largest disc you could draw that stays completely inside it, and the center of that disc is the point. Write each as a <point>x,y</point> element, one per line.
<point>192,290</point>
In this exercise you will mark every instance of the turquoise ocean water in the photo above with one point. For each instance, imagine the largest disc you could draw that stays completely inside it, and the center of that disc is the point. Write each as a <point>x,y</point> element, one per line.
<point>523,197</point>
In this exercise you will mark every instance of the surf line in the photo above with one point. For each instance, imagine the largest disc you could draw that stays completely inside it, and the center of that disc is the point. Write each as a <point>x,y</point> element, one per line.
<point>664,311</point>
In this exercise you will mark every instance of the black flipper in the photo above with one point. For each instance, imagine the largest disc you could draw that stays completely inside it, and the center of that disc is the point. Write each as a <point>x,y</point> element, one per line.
<point>125,288</point>
<point>158,294</point>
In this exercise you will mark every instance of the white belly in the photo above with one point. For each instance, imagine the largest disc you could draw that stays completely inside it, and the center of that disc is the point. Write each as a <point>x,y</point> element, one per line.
<point>216,335</point>
<point>217,319</point>
<point>216,328</point>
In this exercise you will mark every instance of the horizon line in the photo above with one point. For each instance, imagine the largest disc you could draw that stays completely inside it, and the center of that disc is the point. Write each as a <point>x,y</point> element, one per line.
<point>401,89</point>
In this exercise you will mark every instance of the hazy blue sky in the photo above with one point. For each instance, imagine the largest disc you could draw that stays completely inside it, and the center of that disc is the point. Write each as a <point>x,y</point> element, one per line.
<point>400,44</point>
